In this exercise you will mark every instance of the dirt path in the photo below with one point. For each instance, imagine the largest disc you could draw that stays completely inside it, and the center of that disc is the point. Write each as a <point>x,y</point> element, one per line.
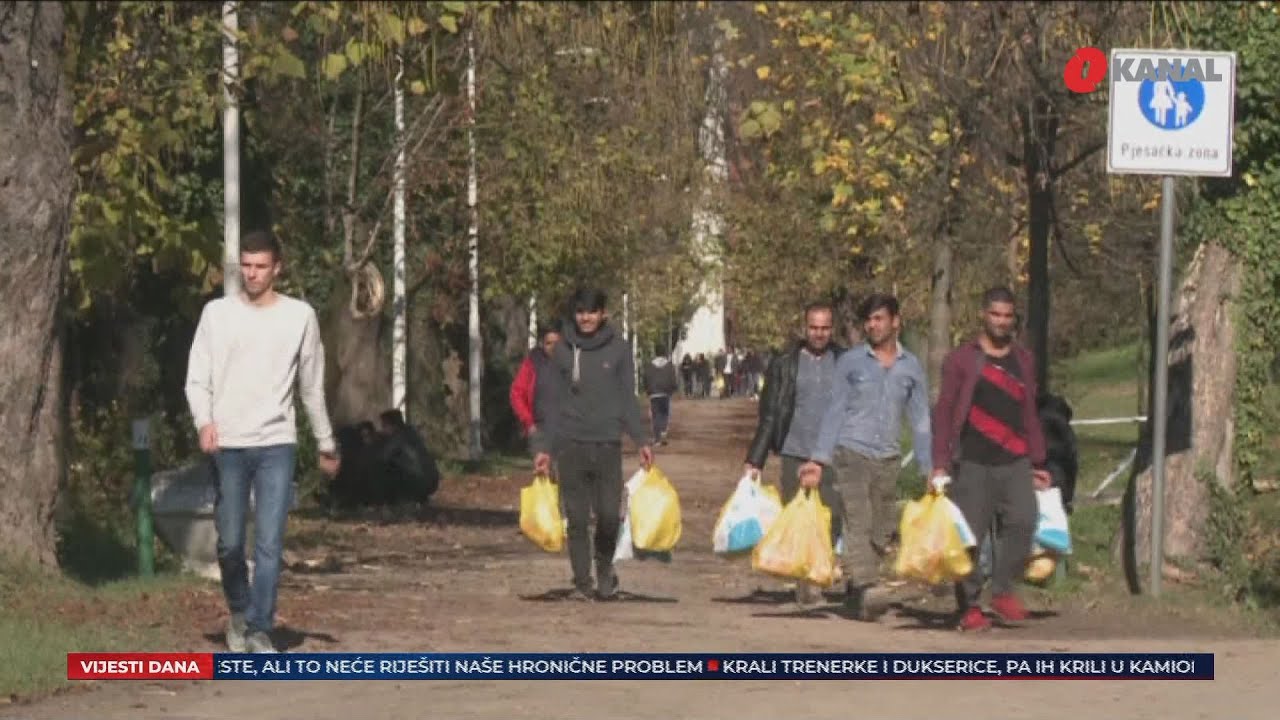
<point>463,579</point>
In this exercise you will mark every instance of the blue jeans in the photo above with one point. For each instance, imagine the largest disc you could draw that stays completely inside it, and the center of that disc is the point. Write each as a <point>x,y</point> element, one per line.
<point>269,472</point>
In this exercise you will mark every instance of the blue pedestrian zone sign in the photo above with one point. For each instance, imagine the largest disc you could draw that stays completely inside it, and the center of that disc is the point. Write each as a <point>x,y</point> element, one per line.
<point>1171,112</point>
<point>1170,104</point>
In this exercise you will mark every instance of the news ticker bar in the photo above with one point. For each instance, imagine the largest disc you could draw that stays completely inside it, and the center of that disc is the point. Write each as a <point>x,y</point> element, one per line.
<point>640,666</point>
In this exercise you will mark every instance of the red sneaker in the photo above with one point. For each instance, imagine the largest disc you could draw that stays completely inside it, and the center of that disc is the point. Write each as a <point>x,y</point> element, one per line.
<point>1009,608</point>
<point>974,621</point>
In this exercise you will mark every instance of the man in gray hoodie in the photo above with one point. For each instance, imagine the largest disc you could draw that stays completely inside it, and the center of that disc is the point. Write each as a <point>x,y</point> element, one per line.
<point>661,383</point>
<point>596,383</point>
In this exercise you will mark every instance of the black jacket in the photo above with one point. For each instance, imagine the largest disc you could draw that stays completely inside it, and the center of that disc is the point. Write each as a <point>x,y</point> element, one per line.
<point>1062,456</point>
<point>595,381</point>
<point>778,404</point>
<point>660,377</point>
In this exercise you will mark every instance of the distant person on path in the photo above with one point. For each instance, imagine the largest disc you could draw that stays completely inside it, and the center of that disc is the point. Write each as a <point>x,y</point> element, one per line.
<point>248,352</point>
<point>797,387</point>
<point>660,383</point>
<point>878,384</point>
<point>686,375</point>
<point>596,405</point>
<point>987,438</point>
<point>409,469</point>
<point>702,374</point>
<point>532,391</point>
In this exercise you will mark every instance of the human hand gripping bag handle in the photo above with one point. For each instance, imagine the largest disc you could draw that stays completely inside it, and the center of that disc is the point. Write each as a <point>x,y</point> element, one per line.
<point>653,510</point>
<point>746,516</point>
<point>540,519</point>
<point>932,548</point>
<point>797,546</point>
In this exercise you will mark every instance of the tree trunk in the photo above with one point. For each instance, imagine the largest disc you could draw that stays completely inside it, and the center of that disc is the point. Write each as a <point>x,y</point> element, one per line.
<point>1039,131</point>
<point>357,371</point>
<point>940,310</point>
<point>1202,378</point>
<point>36,184</point>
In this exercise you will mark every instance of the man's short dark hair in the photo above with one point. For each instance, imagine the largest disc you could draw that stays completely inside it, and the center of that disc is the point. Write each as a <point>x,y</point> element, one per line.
<point>546,330</point>
<point>998,294</point>
<point>588,300</point>
<point>393,418</point>
<point>819,305</point>
<point>256,241</point>
<point>875,302</point>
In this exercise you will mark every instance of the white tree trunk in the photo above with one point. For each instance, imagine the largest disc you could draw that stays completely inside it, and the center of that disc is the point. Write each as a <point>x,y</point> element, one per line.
<point>533,322</point>
<point>704,333</point>
<point>230,152</point>
<point>400,321</point>
<point>476,360</point>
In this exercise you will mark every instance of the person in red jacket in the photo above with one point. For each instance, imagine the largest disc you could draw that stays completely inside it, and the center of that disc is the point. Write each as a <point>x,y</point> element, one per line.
<point>988,442</point>
<point>530,406</point>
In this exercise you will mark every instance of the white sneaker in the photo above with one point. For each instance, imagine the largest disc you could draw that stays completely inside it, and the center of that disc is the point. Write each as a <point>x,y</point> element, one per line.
<point>259,643</point>
<point>237,628</point>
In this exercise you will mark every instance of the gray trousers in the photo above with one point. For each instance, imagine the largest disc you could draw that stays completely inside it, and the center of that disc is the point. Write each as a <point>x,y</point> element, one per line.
<point>985,493</point>
<point>869,487</point>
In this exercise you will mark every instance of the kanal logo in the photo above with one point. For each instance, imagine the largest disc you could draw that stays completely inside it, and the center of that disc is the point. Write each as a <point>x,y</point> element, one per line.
<point>1171,94</point>
<point>1086,70</point>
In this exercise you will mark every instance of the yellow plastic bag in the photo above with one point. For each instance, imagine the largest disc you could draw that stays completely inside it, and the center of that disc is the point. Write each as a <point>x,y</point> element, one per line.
<point>654,511</point>
<point>932,549</point>
<point>540,514</point>
<point>798,544</point>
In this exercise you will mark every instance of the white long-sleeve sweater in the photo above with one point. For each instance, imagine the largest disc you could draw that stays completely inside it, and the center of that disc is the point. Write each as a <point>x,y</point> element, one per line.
<point>243,365</point>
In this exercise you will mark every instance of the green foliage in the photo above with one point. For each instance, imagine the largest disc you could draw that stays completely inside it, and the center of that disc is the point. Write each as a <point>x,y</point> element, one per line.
<point>146,108</point>
<point>1243,212</point>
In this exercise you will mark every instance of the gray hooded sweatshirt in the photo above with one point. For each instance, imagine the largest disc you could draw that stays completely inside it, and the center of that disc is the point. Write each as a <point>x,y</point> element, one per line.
<point>595,379</point>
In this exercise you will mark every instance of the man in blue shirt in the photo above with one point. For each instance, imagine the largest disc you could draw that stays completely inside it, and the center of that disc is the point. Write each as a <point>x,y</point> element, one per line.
<point>876,384</point>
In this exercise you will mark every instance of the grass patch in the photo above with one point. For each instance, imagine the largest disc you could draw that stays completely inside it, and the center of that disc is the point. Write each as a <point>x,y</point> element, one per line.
<point>49,615</point>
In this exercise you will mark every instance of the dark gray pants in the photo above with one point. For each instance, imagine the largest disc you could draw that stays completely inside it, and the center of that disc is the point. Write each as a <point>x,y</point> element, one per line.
<point>869,487</point>
<point>591,481</point>
<point>985,493</point>
<point>827,492</point>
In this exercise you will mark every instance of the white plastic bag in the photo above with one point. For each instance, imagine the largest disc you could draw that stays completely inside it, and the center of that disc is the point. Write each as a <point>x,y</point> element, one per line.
<point>962,525</point>
<point>746,516</point>
<point>1052,532</point>
<point>625,551</point>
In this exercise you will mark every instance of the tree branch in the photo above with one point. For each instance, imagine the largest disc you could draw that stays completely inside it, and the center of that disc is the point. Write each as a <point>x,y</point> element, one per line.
<point>1084,155</point>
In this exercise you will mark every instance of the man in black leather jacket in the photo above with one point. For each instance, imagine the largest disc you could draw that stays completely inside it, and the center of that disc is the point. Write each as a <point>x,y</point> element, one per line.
<point>797,388</point>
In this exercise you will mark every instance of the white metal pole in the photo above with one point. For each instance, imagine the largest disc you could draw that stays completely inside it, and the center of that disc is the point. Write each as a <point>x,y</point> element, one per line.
<point>230,152</point>
<point>533,322</point>
<point>473,319</point>
<point>398,332</point>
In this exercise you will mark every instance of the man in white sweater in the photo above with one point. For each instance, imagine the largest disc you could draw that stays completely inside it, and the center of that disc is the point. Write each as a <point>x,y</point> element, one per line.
<point>249,350</point>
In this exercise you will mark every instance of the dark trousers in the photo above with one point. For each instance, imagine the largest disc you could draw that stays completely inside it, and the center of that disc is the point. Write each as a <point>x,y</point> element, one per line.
<point>591,481</point>
<point>827,491</point>
<point>660,415</point>
<point>987,494</point>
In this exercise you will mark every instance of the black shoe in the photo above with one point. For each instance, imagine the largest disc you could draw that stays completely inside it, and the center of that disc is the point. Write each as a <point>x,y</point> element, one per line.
<point>607,585</point>
<point>868,602</point>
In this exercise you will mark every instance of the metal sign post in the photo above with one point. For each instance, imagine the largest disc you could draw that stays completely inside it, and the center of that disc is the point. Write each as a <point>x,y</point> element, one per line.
<point>1171,112</point>
<point>142,496</point>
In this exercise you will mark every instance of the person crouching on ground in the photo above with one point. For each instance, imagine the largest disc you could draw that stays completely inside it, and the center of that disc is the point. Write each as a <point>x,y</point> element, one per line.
<point>597,404</point>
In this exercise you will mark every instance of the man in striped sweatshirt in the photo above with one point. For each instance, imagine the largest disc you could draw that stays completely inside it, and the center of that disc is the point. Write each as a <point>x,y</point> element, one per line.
<point>987,440</point>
